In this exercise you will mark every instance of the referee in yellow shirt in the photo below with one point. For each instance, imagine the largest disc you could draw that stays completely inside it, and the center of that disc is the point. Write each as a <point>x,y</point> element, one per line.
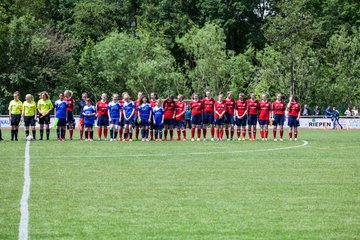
<point>15,110</point>
<point>44,107</point>
<point>29,115</point>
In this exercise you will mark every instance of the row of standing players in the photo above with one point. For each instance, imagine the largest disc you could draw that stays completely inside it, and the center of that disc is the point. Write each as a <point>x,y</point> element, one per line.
<point>152,116</point>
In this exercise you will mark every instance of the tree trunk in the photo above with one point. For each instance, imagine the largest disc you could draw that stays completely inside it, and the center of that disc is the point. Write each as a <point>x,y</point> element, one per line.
<point>292,82</point>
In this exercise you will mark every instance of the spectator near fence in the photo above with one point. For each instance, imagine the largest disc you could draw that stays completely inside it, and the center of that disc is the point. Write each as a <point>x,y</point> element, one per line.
<point>347,113</point>
<point>327,112</point>
<point>335,115</point>
<point>305,111</point>
<point>317,111</point>
<point>354,112</point>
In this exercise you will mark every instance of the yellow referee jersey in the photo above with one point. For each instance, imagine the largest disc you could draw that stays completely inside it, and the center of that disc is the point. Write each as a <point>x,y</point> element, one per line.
<point>29,108</point>
<point>44,106</point>
<point>15,107</point>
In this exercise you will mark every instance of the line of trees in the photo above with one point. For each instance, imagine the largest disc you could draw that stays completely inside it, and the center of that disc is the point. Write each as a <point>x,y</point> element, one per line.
<point>306,47</point>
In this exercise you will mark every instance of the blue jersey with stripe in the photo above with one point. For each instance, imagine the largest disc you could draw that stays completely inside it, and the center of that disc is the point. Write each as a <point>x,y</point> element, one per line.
<point>145,110</point>
<point>158,113</point>
<point>89,110</point>
<point>128,108</point>
<point>114,109</point>
<point>82,104</point>
<point>60,106</point>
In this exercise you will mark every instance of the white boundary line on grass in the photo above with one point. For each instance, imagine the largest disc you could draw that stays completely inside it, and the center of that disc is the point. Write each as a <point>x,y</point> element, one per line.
<point>188,153</point>
<point>24,208</point>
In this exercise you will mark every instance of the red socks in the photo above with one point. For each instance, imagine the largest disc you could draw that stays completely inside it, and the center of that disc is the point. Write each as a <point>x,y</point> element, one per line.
<point>281,133</point>
<point>232,132</point>
<point>274,134</point>
<point>105,133</point>
<point>238,131</point>
<point>227,132</point>
<point>184,133</point>
<point>165,134</point>
<point>243,133</point>
<point>199,132</point>
<point>204,132</point>
<point>290,134</point>
<point>99,132</point>
<point>71,131</point>
<point>295,133</point>
<point>217,133</point>
<point>212,132</point>
<point>81,134</point>
<point>192,132</point>
<point>249,132</point>
<point>179,134</point>
<point>254,134</point>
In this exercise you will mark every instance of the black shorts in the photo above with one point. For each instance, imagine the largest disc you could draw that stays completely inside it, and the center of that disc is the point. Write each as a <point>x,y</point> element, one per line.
<point>15,119</point>
<point>29,121</point>
<point>45,119</point>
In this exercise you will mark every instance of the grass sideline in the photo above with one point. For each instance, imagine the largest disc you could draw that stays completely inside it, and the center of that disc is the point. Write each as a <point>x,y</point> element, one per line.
<point>310,192</point>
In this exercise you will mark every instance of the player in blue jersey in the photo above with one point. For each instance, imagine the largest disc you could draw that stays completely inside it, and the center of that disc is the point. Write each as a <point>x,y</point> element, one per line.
<point>128,113</point>
<point>114,112</point>
<point>158,120</point>
<point>89,113</point>
<point>82,104</point>
<point>144,116</point>
<point>61,115</point>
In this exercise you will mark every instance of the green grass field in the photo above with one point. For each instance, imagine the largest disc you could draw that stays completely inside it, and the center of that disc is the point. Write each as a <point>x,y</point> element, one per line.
<point>186,190</point>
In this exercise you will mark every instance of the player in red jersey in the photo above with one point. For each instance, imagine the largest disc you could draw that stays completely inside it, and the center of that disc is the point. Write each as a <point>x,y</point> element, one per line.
<point>153,98</point>
<point>136,121</point>
<point>278,116</point>
<point>294,109</point>
<point>169,117</point>
<point>253,107</point>
<point>121,123</point>
<point>180,108</point>
<point>241,116</point>
<point>229,115</point>
<point>70,111</point>
<point>208,117</point>
<point>264,117</point>
<point>102,116</point>
<point>219,114</point>
<point>196,107</point>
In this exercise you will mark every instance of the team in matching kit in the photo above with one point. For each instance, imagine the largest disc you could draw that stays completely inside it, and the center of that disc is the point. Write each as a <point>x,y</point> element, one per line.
<point>156,119</point>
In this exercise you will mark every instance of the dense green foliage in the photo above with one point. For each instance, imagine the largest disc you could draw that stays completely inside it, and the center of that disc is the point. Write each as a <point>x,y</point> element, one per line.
<point>185,190</point>
<point>307,47</point>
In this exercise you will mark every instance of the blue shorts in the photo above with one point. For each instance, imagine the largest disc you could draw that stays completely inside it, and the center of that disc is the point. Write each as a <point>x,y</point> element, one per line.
<point>129,122</point>
<point>241,122</point>
<point>70,117</point>
<point>103,120</point>
<point>229,118</point>
<point>88,125</point>
<point>196,119</point>
<point>293,122</point>
<point>252,119</point>
<point>169,121</point>
<point>263,122</point>
<point>179,123</point>
<point>114,121</point>
<point>279,120</point>
<point>144,122</point>
<point>61,122</point>
<point>158,127</point>
<point>219,121</point>
<point>208,118</point>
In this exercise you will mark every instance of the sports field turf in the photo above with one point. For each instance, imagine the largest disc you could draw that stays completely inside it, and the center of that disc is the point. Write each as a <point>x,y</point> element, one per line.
<point>186,190</point>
